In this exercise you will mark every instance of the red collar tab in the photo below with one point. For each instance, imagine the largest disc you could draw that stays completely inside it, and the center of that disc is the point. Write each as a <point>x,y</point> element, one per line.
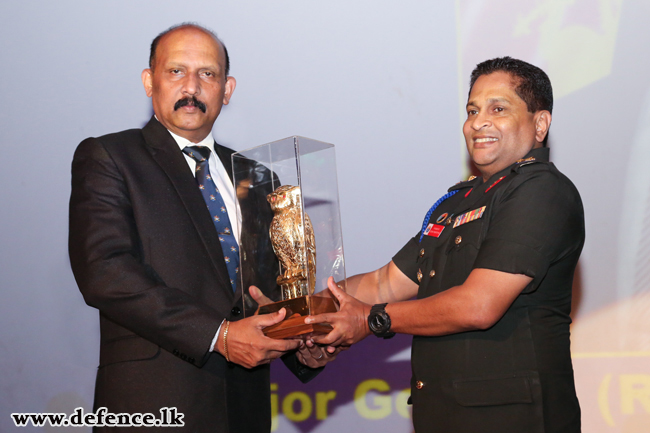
<point>497,181</point>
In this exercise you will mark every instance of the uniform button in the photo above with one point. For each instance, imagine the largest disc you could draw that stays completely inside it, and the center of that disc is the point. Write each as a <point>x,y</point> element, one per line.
<point>432,273</point>
<point>422,252</point>
<point>419,275</point>
<point>419,384</point>
<point>236,311</point>
<point>458,239</point>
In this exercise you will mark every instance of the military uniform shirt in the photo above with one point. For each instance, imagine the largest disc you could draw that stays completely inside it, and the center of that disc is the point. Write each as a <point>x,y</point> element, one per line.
<point>517,375</point>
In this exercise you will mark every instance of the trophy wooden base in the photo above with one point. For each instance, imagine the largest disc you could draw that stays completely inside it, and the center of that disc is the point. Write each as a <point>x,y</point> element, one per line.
<point>297,309</point>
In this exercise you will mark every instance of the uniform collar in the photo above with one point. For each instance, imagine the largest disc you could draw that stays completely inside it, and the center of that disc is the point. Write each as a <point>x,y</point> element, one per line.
<point>540,154</point>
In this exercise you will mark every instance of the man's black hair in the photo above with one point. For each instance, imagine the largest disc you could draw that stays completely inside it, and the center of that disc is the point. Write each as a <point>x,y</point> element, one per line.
<point>154,43</point>
<point>532,84</point>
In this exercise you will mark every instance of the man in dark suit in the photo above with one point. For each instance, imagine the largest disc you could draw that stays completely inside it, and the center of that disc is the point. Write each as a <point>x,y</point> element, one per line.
<point>492,268</point>
<point>146,252</point>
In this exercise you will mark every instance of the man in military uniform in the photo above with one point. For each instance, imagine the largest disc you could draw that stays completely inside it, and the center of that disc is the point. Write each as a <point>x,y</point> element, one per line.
<point>492,269</point>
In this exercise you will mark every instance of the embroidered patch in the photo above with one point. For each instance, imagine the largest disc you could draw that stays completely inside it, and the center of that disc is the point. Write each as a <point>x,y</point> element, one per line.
<point>469,216</point>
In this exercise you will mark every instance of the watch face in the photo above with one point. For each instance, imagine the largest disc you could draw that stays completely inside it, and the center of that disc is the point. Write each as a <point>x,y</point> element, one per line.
<point>377,323</point>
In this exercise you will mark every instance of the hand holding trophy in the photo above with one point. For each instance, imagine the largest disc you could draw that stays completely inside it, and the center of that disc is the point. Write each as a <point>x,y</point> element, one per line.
<point>279,239</point>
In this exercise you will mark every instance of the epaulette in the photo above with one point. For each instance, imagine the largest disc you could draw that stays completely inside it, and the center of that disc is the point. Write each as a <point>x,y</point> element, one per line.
<point>463,184</point>
<point>526,161</point>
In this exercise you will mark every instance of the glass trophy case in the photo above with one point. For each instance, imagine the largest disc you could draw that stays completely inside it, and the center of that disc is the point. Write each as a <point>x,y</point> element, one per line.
<point>290,231</point>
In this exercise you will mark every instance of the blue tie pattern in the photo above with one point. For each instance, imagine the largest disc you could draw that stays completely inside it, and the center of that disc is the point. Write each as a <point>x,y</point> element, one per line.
<point>217,209</point>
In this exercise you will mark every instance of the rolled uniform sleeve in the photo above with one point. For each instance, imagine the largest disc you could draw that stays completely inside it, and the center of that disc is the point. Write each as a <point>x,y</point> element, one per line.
<point>406,259</point>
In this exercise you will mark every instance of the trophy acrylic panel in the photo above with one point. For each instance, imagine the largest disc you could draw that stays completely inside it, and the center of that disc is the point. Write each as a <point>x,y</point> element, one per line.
<point>290,230</point>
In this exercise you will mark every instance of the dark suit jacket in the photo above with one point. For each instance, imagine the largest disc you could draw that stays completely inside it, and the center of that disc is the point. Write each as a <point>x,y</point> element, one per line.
<point>145,253</point>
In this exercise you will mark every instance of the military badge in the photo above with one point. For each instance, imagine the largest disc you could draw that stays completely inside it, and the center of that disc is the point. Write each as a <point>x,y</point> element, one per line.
<point>526,160</point>
<point>469,216</point>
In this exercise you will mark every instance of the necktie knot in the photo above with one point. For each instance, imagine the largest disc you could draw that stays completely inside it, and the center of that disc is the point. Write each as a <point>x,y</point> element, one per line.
<point>197,153</point>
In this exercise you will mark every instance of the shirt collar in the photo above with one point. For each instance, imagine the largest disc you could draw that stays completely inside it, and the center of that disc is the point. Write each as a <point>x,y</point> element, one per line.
<point>184,142</point>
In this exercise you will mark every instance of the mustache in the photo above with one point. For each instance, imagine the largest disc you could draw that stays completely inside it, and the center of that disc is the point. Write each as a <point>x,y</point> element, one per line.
<point>190,100</point>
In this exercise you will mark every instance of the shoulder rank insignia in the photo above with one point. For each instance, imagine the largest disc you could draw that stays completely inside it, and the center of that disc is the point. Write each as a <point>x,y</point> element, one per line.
<point>525,161</point>
<point>469,179</point>
<point>469,216</point>
<point>463,184</point>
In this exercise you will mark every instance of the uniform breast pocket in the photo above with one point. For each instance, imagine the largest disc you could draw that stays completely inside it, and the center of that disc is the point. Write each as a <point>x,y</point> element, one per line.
<point>462,250</point>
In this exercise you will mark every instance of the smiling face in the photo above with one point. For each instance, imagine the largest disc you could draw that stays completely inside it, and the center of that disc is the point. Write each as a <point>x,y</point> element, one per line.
<point>499,129</point>
<point>187,84</point>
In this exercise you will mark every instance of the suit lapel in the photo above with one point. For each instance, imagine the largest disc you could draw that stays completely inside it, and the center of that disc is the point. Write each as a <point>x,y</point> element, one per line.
<point>166,153</point>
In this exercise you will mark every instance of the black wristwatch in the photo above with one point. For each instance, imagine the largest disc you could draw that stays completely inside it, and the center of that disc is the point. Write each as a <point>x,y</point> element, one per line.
<point>379,321</point>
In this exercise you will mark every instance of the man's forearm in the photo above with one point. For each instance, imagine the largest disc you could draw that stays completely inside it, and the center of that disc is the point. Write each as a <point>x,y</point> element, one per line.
<point>386,284</point>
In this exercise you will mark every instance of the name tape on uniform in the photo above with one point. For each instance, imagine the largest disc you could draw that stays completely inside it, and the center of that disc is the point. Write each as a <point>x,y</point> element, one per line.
<point>434,230</point>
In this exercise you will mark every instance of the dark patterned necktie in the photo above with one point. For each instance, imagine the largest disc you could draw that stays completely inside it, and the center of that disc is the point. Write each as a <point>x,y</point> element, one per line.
<point>217,209</point>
